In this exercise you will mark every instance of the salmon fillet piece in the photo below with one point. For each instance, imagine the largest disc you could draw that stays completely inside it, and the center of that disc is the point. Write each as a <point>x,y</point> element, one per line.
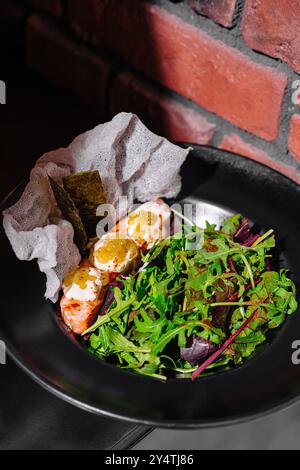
<point>80,315</point>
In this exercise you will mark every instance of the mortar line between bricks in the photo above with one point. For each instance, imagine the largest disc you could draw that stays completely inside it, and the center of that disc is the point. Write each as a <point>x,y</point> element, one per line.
<point>236,40</point>
<point>285,118</point>
<point>120,66</point>
<point>223,127</point>
<point>287,109</point>
<point>275,149</point>
<point>218,120</point>
<point>291,75</point>
<point>237,18</point>
<point>230,37</point>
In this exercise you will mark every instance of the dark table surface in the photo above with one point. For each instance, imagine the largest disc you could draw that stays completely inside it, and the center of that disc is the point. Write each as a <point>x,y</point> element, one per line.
<point>32,418</point>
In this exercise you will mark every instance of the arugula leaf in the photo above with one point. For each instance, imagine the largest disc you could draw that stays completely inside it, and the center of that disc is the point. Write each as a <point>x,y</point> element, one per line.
<point>215,290</point>
<point>111,314</point>
<point>165,339</point>
<point>231,224</point>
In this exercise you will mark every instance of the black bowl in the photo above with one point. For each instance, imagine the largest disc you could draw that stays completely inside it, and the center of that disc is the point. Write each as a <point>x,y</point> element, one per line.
<point>267,382</point>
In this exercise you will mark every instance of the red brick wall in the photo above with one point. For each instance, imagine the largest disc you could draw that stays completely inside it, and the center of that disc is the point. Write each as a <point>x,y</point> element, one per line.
<point>219,72</point>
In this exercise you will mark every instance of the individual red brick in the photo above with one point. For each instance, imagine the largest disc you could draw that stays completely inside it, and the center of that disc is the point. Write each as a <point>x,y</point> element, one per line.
<point>185,59</point>
<point>220,11</point>
<point>294,137</point>
<point>161,114</point>
<point>234,143</point>
<point>273,27</point>
<point>55,7</point>
<point>68,64</point>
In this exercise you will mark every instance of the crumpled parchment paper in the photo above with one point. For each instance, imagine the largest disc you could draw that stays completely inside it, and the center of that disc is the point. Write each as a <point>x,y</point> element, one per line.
<point>132,162</point>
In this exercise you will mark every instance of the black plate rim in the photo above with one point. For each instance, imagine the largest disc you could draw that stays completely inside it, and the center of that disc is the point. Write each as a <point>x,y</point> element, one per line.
<point>240,157</point>
<point>238,419</point>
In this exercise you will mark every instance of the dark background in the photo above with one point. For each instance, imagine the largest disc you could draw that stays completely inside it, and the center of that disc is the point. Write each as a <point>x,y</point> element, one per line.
<point>37,118</point>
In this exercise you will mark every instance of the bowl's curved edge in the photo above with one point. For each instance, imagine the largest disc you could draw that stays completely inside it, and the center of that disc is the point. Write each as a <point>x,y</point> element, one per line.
<point>243,158</point>
<point>50,387</point>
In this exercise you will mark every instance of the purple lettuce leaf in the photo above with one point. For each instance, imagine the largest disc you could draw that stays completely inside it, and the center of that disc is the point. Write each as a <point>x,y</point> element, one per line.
<point>220,314</point>
<point>251,239</point>
<point>197,349</point>
<point>109,298</point>
<point>244,234</point>
<point>218,352</point>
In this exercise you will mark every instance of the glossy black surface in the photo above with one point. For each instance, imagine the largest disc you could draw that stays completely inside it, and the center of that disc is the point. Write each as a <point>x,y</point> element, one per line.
<point>266,382</point>
<point>32,418</point>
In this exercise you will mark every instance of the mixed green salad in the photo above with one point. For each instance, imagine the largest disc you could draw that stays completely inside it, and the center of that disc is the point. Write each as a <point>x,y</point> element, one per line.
<point>203,299</point>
